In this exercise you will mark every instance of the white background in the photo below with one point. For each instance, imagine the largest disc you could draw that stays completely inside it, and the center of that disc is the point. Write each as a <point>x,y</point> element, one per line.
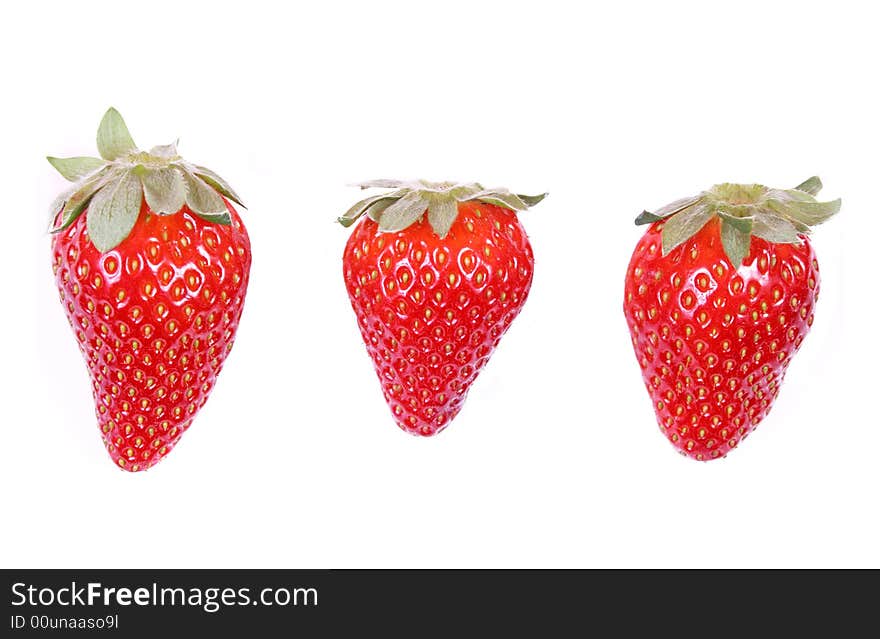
<point>556,459</point>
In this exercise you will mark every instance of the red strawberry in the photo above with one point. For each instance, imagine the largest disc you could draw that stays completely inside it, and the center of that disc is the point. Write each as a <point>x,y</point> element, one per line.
<point>720,293</point>
<point>152,262</point>
<point>436,273</point>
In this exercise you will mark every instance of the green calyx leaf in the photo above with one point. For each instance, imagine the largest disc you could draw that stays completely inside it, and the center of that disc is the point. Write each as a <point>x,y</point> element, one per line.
<point>742,222</point>
<point>68,206</point>
<point>736,242</point>
<point>162,178</point>
<point>375,210</point>
<point>403,212</point>
<point>216,182</point>
<point>442,213</point>
<point>220,218</point>
<point>744,210</point>
<point>363,206</point>
<point>409,201</point>
<point>646,217</point>
<point>202,199</point>
<point>805,212</point>
<point>775,229</point>
<point>114,140</point>
<point>532,200</point>
<point>75,169</point>
<point>811,185</point>
<point>502,199</point>
<point>113,211</point>
<point>683,225</point>
<point>164,189</point>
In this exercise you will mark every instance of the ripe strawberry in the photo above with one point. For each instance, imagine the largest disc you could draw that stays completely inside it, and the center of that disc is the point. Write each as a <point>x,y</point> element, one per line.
<point>434,293</point>
<point>151,261</point>
<point>720,293</point>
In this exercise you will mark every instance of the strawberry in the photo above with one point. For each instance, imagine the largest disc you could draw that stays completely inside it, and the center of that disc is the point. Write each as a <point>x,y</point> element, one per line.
<point>720,293</point>
<point>436,273</point>
<point>151,262</point>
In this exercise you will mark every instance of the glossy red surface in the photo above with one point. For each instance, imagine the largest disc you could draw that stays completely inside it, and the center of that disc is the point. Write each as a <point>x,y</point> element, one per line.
<point>713,343</point>
<point>432,311</point>
<point>154,318</point>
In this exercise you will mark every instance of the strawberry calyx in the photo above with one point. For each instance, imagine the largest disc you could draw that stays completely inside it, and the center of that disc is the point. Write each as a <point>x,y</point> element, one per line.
<point>408,202</point>
<point>112,188</point>
<point>744,210</point>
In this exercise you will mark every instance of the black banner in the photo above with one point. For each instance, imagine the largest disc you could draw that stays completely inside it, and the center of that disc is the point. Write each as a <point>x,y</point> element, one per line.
<point>135,603</point>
